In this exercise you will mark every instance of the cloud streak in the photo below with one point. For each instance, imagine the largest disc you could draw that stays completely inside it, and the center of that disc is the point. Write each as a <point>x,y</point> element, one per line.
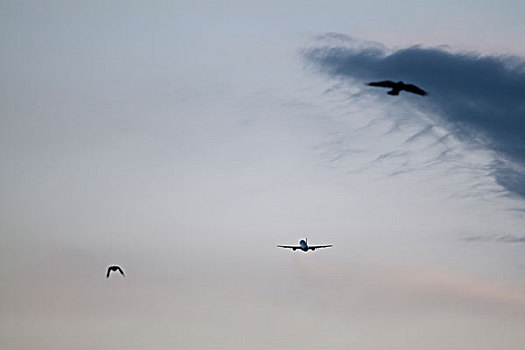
<point>506,238</point>
<point>480,99</point>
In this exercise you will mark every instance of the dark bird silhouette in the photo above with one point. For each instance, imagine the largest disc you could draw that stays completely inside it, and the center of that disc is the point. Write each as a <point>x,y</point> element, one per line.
<point>114,268</point>
<point>399,86</point>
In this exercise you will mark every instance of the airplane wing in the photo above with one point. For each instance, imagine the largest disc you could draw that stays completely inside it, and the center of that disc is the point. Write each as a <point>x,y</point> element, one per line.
<point>384,83</point>
<point>414,89</point>
<point>290,246</point>
<point>319,246</point>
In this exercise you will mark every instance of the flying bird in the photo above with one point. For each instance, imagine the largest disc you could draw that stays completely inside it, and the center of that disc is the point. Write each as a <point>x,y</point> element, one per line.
<point>303,245</point>
<point>398,87</point>
<point>114,268</point>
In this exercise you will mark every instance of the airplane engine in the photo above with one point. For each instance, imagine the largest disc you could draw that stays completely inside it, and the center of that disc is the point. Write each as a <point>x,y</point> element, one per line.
<point>312,249</point>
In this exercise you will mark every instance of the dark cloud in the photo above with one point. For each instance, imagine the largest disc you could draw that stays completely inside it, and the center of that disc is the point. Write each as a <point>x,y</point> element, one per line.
<point>479,98</point>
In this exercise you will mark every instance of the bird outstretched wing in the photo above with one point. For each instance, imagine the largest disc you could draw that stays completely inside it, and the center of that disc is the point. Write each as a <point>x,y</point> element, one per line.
<point>109,271</point>
<point>414,89</point>
<point>120,270</point>
<point>384,83</point>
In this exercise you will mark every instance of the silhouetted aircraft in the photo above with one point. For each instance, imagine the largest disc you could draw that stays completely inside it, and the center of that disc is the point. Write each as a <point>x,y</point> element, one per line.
<point>303,245</point>
<point>399,86</point>
<point>114,268</point>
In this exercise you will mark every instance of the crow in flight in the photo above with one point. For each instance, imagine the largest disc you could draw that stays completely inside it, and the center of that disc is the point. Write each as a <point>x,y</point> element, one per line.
<point>114,268</point>
<point>399,86</point>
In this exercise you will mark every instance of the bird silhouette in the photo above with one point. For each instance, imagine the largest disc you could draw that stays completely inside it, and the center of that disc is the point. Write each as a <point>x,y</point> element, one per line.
<point>398,87</point>
<point>114,268</point>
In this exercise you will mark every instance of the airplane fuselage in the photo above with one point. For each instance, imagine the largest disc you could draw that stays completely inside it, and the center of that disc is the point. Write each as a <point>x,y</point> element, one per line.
<point>304,245</point>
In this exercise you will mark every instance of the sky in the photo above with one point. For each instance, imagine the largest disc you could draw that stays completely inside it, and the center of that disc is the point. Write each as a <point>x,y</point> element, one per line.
<point>184,140</point>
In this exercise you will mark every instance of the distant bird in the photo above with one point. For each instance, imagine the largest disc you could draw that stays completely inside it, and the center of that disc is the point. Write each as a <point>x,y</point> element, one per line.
<point>114,268</point>
<point>399,86</point>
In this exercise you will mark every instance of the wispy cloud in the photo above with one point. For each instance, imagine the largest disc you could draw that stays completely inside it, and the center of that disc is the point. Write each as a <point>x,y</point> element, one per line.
<point>505,238</point>
<point>480,99</point>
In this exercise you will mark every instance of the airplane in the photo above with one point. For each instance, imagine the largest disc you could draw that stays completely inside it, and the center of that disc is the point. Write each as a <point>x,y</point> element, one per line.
<point>303,245</point>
